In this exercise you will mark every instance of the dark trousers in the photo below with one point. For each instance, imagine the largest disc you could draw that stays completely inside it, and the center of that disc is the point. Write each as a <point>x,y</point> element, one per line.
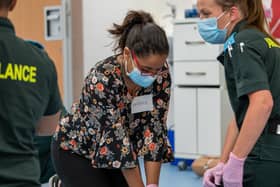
<point>261,173</point>
<point>262,167</point>
<point>77,171</point>
<point>43,144</point>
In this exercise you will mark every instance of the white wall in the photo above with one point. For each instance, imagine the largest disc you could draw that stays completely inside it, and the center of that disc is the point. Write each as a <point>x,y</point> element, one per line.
<point>98,16</point>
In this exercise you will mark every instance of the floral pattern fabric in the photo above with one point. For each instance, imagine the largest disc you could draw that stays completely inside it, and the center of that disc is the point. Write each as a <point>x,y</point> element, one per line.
<point>102,128</point>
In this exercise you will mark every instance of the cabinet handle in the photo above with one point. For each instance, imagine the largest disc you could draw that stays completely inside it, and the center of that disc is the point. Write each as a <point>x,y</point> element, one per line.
<point>194,42</point>
<point>195,73</point>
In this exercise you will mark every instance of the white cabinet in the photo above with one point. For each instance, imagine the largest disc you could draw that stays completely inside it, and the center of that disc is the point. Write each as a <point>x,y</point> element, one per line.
<point>209,121</point>
<point>187,39</point>
<point>201,106</point>
<point>185,115</point>
<point>197,73</point>
<point>200,122</point>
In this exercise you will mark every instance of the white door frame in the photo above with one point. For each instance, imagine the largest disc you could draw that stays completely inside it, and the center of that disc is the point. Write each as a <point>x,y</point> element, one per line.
<point>67,51</point>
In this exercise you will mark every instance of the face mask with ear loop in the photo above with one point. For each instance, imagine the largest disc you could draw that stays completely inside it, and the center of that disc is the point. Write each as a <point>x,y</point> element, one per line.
<point>209,31</point>
<point>139,79</point>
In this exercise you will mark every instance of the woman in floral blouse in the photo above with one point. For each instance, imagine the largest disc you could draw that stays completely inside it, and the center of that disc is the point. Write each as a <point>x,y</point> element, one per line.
<point>121,114</point>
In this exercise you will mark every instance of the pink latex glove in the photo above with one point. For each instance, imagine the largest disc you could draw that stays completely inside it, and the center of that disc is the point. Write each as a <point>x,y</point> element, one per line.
<point>152,185</point>
<point>213,176</point>
<point>233,171</point>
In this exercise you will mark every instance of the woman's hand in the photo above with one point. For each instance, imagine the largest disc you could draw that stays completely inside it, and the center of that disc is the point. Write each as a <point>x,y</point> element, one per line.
<point>213,176</point>
<point>233,171</point>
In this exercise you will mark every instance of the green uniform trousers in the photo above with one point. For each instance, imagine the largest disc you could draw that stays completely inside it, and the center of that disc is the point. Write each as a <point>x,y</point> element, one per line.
<point>262,167</point>
<point>43,144</point>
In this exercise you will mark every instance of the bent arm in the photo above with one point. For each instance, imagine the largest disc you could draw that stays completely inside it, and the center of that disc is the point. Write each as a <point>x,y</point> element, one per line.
<point>133,177</point>
<point>231,136</point>
<point>258,112</point>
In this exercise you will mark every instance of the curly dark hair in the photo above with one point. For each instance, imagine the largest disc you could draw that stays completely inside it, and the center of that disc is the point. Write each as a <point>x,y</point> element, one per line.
<point>141,34</point>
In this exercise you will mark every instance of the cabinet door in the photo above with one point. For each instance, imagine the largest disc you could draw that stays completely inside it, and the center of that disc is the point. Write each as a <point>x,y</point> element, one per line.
<point>197,73</point>
<point>209,121</point>
<point>185,120</point>
<point>188,44</point>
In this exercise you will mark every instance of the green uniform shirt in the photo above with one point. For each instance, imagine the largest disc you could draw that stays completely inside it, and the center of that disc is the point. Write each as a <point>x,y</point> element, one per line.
<point>252,62</point>
<point>28,91</point>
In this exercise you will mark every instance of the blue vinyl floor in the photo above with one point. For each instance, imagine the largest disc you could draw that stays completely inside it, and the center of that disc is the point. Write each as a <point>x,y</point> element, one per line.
<point>172,177</point>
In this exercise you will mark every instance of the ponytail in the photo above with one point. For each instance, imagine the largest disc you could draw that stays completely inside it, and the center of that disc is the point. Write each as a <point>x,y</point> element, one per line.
<point>255,15</point>
<point>141,34</point>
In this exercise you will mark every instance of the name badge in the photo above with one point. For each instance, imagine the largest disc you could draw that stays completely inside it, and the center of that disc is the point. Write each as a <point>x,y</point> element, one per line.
<point>142,104</point>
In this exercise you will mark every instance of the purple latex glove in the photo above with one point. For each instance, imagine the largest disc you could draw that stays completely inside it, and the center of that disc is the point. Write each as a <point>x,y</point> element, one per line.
<point>213,176</point>
<point>152,185</point>
<point>233,171</point>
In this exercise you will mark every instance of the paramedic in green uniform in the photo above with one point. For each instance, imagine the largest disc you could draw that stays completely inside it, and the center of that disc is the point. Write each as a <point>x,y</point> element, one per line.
<point>30,103</point>
<point>251,58</point>
<point>43,143</point>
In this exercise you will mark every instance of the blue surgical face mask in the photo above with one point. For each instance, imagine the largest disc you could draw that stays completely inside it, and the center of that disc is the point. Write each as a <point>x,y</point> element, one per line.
<point>139,79</point>
<point>209,31</point>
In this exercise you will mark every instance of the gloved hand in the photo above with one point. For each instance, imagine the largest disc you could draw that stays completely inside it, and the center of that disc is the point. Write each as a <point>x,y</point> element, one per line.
<point>213,176</point>
<point>233,171</point>
<point>152,185</point>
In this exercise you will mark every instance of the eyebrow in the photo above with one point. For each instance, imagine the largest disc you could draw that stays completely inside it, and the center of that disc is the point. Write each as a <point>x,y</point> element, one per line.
<point>204,11</point>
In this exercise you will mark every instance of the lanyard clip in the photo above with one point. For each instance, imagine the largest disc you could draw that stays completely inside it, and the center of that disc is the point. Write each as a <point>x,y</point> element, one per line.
<point>242,44</point>
<point>229,50</point>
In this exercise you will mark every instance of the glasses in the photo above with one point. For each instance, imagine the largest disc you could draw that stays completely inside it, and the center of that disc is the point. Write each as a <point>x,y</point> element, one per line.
<point>144,71</point>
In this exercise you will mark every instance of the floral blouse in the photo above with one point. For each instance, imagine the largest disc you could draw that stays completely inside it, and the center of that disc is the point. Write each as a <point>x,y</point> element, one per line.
<point>102,128</point>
